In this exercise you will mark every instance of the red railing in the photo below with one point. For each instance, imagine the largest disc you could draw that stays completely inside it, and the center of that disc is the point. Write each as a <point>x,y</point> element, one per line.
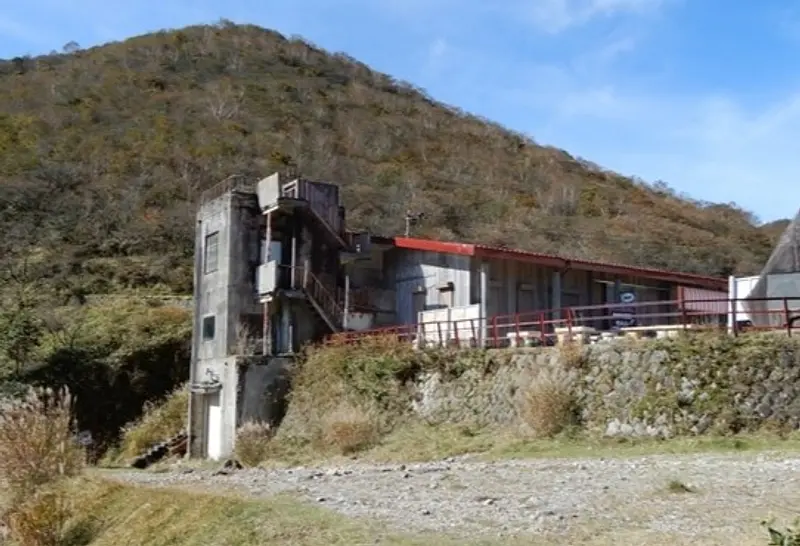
<point>406,332</point>
<point>544,327</point>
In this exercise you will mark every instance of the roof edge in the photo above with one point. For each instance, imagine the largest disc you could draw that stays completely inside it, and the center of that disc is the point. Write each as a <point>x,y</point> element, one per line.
<point>486,251</point>
<point>411,243</point>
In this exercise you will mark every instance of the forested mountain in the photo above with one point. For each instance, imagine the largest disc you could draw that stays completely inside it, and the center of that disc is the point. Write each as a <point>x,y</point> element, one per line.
<point>104,151</point>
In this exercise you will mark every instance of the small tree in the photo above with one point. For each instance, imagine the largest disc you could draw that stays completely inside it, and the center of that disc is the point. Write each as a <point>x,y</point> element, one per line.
<point>20,333</point>
<point>37,452</point>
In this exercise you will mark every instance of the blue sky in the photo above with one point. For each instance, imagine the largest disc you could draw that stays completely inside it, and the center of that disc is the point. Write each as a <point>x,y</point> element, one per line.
<point>702,94</point>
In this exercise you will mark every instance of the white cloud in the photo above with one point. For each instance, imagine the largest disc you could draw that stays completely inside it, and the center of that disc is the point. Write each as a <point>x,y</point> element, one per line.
<point>711,145</point>
<point>555,16</point>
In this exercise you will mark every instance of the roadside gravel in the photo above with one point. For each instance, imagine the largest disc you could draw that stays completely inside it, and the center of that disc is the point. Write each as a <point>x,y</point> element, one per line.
<point>728,494</point>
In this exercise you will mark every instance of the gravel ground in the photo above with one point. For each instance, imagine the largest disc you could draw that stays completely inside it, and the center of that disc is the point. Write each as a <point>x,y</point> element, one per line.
<point>729,494</point>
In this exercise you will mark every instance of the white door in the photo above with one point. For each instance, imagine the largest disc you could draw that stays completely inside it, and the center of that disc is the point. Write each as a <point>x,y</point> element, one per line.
<point>214,427</point>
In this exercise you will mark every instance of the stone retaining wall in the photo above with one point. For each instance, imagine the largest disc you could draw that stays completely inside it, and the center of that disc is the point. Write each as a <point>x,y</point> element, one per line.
<point>692,384</point>
<point>655,388</point>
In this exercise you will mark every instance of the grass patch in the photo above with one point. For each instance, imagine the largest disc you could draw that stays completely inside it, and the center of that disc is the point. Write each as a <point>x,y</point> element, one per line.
<point>350,428</point>
<point>253,443</point>
<point>421,442</point>
<point>158,423</point>
<point>37,455</point>
<point>549,403</point>
<point>137,516</point>
<point>677,486</point>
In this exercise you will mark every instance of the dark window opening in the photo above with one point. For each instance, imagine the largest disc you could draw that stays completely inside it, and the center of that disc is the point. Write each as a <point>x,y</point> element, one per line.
<point>208,328</point>
<point>212,252</point>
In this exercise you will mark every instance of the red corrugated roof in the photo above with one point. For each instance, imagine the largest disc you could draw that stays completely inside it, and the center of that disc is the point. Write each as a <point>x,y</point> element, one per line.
<point>550,260</point>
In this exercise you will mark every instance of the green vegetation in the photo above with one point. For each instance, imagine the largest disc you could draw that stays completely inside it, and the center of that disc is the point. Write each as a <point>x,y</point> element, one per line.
<point>787,537</point>
<point>105,152</point>
<point>708,373</point>
<point>159,421</point>
<point>114,356</point>
<point>677,486</point>
<point>118,514</point>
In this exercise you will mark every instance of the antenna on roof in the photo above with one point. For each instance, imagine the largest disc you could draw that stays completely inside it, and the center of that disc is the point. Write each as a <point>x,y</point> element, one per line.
<point>412,219</point>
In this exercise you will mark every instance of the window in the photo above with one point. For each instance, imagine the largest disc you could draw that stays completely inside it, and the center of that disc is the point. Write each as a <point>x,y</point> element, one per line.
<point>209,325</point>
<point>212,252</point>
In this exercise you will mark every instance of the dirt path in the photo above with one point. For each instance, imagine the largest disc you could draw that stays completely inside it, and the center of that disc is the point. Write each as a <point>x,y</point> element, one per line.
<point>642,499</point>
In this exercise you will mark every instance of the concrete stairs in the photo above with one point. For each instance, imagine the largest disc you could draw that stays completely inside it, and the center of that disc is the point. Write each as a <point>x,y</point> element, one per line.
<point>170,448</point>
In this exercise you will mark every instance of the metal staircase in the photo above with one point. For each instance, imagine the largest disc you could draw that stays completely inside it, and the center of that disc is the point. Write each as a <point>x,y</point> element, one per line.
<point>322,298</point>
<point>317,206</point>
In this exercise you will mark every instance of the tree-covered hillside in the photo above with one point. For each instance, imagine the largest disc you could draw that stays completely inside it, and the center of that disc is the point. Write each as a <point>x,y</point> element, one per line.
<point>103,153</point>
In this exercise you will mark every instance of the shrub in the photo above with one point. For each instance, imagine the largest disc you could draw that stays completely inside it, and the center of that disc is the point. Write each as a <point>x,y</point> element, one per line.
<point>571,355</point>
<point>41,519</point>
<point>338,379</point>
<point>548,403</point>
<point>37,452</point>
<point>788,537</point>
<point>350,428</point>
<point>253,442</point>
<point>37,447</point>
<point>158,423</point>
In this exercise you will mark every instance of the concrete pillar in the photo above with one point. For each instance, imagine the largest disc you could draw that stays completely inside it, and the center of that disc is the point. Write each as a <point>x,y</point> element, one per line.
<point>483,282</point>
<point>294,252</point>
<point>555,295</point>
<point>346,312</point>
<point>286,328</point>
<point>732,297</point>
<point>511,287</point>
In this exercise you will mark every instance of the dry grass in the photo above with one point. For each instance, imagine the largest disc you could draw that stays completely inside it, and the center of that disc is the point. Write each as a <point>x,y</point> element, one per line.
<point>677,486</point>
<point>548,402</point>
<point>158,423</point>
<point>350,428</point>
<point>246,341</point>
<point>344,396</point>
<point>37,453</point>
<point>253,443</point>
<point>117,515</point>
<point>571,355</point>
<point>41,519</point>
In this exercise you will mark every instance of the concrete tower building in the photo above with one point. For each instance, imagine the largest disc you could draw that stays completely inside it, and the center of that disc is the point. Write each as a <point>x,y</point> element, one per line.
<point>267,281</point>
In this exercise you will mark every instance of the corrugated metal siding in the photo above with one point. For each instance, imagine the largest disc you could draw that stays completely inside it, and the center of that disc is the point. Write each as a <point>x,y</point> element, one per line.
<point>505,294</point>
<point>701,299</point>
<point>432,271</point>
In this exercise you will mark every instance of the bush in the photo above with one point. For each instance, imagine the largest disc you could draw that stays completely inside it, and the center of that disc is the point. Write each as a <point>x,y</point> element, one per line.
<point>788,537</point>
<point>549,403</point>
<point>41,519</point>
<point>158,423</point>
<point>334,379</point>
<point>253,442</point>
<point>350,428</point>
<point>37,452</point>
<point>571,355</point>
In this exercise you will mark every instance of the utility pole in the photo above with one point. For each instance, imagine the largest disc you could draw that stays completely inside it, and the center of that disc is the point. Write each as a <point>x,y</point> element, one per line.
<point>412,220</point>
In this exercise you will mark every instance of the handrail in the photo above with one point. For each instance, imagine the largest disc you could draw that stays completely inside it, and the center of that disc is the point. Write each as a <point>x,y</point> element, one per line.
<point>697,314</point>
<point>317,290</point>
<point>328,215</point>
<point>235,182</point>
<point>301,278</point>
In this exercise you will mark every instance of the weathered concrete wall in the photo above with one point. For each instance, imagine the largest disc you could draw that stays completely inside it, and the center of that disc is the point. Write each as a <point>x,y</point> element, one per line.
<point>264,391</point>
